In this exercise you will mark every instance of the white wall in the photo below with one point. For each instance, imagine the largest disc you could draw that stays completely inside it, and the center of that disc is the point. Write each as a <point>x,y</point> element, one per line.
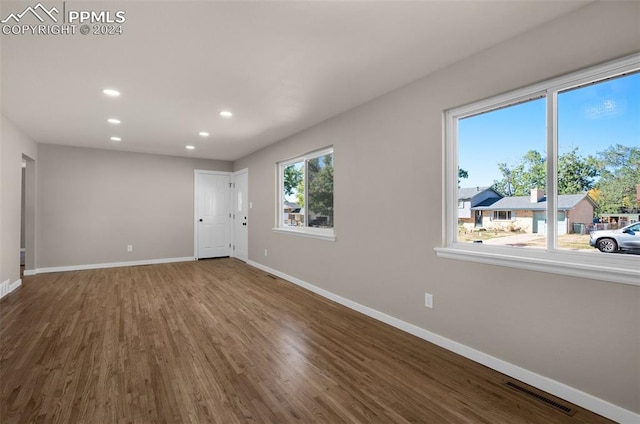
<point>389,217</point>
<point>92,203</point>
<point>13,144</point>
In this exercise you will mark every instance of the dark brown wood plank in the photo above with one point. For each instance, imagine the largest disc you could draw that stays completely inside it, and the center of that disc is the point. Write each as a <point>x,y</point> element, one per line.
<point>221,342</point>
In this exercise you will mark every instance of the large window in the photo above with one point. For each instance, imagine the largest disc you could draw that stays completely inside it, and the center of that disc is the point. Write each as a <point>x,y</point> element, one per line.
<point>550,173</point>
<point>305,195</point>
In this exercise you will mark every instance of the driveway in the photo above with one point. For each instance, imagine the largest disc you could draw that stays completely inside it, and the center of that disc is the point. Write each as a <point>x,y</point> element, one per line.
<point>515,240</point>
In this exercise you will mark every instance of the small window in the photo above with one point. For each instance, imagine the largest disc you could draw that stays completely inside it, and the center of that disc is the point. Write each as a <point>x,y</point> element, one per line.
<point>305,195</point>
<point>502,215</point>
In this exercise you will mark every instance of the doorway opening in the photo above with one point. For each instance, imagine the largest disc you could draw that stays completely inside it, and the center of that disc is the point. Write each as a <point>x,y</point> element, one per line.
<point>22,220</point>
<point>28,217</point>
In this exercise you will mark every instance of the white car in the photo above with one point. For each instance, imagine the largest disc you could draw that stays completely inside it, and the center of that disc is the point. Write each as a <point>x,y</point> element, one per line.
<point>609,241</point>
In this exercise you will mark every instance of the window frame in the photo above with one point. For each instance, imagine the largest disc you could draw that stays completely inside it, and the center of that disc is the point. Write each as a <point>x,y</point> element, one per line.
<point>606,267</point>
<point>305,231</point>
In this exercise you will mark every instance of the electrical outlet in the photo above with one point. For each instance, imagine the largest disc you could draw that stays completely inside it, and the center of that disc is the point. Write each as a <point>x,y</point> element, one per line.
<point>250,205</point>
<point>265,252</point>
<point>129,248</point>
<point>428,300</point>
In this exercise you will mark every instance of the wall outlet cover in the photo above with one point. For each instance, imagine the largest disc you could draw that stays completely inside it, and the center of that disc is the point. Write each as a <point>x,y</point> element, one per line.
<point>428,300</point>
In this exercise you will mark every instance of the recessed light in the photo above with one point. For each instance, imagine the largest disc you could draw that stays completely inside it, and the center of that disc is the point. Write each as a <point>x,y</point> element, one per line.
<point>203,134</point>
<point>190,147</point>
<point>113,121</point>
<point>226,114</point>
<point>115,139</point>
<point>111,92</point>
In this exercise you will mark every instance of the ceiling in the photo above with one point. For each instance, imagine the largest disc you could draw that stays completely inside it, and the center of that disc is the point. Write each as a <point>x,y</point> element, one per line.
<point>279,66</point>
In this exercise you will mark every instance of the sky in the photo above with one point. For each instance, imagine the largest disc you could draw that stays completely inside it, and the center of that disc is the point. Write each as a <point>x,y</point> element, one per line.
<point>590,118</point>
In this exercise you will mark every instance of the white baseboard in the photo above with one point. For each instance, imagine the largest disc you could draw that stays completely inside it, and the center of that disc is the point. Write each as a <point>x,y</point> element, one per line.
<point>108,265</point>
<point>15,285</point>
<point>28,272</point>
<point>7,287</point>
<point>4,288</point>
<point>556,388</point>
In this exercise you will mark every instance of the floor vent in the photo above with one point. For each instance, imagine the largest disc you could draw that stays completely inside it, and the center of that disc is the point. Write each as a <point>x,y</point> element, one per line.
<point>542,397</point>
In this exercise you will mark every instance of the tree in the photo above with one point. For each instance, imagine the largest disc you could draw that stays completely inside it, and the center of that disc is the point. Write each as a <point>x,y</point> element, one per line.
<point>462,174</point>
<point>521,178</point>
<point>619,174</point>
<point>576,174</point>
<point>300,193</point>
<point>594,193</point>
<point>320,180</point>
<point>292,177</point>
<point>505,186</point>
<point>535,174</point>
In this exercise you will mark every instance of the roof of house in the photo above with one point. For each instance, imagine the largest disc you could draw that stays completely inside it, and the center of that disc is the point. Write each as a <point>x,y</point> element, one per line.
<point>565,202</point>
<point>467,193</point>
<point>291,205</point>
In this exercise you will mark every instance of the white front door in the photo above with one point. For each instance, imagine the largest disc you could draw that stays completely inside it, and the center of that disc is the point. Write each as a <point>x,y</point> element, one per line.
<point>213,229</point>
<point>240,205</point>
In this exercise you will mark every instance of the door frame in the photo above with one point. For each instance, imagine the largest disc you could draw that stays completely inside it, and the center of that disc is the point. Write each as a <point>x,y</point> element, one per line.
<point>196,187</point>
<point>30,216</point>
<point>248,206</point>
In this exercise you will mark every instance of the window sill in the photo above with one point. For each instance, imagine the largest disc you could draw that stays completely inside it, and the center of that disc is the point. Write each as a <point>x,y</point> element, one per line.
<point>308,232</point>
<point>593,265</point>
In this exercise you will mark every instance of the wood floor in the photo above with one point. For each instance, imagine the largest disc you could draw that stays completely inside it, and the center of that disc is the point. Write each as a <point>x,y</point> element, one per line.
<point>219,341</point>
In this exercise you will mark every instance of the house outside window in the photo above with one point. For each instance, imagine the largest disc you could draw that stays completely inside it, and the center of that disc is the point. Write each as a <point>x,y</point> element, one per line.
<point>561,156</point>
<point>305,195</point>
<point>469,199</point>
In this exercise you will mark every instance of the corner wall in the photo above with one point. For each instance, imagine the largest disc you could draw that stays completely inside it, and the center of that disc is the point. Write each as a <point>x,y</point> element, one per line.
<point>389,216</point>
<point>13,144</point>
